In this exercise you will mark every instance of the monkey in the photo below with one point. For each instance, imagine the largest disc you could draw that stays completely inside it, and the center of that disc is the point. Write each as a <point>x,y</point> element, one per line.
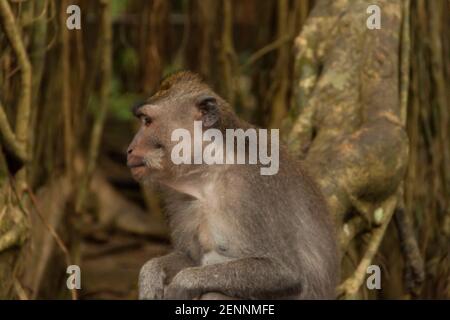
<point>236,234</point>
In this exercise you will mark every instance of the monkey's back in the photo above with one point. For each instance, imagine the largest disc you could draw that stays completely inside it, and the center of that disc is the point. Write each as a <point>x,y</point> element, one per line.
<point>286,217</point>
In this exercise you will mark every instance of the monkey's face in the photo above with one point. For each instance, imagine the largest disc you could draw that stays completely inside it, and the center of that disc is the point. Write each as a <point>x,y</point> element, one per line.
<point>149,154</point>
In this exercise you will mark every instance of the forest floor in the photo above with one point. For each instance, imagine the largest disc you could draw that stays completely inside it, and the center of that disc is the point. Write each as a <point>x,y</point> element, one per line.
<point>111,269</point>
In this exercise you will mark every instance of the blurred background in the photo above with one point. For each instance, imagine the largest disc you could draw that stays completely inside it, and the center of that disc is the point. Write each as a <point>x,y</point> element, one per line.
<point>66,195</point>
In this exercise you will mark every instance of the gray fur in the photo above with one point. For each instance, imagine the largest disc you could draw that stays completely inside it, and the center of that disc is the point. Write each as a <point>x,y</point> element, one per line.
<point>235,232</point>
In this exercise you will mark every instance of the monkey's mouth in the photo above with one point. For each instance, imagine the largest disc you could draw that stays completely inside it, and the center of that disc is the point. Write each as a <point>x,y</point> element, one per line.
<point>136,165</point>
<point>137,168</point>
<point>135,162</point>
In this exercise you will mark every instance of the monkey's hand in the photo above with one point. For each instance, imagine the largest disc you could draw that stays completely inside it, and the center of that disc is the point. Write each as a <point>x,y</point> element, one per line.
<point>151,281</point>
<point>184,286</point>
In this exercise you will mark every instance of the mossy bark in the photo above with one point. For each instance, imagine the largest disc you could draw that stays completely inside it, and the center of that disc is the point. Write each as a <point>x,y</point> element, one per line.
<point>349,119</point>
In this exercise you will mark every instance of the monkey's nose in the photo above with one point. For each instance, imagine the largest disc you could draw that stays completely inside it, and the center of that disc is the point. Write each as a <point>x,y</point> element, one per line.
<point>130,150</point>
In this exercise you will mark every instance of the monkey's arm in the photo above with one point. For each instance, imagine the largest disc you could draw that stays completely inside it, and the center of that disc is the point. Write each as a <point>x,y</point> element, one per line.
<point>173,262</point>
<point>248,278</point>
<point>158,272</point>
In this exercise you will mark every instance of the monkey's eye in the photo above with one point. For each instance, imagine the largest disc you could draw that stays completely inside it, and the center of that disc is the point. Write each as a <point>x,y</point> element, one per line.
<point>146,121</point>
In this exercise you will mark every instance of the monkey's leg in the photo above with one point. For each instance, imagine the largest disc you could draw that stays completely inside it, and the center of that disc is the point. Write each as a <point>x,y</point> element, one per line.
<point>156,273</point>
<point>248,278</point>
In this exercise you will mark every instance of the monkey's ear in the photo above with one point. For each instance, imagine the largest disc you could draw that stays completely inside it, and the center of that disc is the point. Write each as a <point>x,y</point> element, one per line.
<point>209,110</point>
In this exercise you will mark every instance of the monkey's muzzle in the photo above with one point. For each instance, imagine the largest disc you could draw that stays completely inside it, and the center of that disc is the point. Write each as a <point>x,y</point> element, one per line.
<point>137,168</point>
<point>135,165</point>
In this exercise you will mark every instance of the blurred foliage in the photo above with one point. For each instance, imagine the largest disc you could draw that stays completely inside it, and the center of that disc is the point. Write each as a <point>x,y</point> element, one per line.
<point>245,50</point>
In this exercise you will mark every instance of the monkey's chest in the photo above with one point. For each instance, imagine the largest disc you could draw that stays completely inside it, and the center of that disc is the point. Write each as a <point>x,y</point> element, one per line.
<point>214,240</point>
<point>205,236</point>
<point>213,250</point>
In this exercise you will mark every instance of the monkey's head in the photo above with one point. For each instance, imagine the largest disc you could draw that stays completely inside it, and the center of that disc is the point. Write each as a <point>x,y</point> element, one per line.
<point>181,99</point>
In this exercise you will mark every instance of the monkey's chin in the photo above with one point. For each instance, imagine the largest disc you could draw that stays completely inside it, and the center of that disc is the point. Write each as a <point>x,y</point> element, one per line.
<point>140,173</point>
<point>147,176</point>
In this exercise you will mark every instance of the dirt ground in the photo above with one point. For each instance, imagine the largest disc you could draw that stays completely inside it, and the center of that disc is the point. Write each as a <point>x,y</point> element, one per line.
<point>110,269</point>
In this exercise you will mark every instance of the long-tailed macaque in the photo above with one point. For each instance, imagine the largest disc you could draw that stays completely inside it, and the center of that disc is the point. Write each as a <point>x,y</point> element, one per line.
<point>236,233</point>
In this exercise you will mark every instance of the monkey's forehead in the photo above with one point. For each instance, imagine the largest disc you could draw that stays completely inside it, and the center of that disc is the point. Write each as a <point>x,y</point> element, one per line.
<point>137,106</point>
<point>141,106</point>
<point>161,101</point>
<point>177,87</point>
